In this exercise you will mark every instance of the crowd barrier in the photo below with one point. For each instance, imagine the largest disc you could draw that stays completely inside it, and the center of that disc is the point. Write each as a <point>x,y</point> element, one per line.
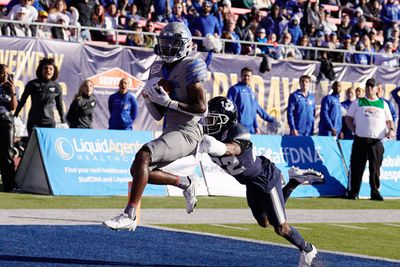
<point>89,162</point>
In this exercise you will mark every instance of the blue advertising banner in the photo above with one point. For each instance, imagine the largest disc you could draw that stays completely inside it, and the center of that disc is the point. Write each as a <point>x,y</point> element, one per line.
<point>390,169</point>
<point>91,162</point>
<point>319,153</point>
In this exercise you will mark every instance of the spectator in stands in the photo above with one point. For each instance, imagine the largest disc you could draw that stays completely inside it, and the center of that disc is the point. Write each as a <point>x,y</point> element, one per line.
<point>123,108</point>
<point>307,54</point>
<point>245,34</point>
<point>224,13</point>
<point>346,45</point>
<point>44,92</point>
<point>327,26</point>
<point>162,10</point>
<point>350,97</point>
<point>8,103</point>
<point>60,7</point>
<point>85,9</point>
<point>178,15</point>
<point>368,48</point>
<point>374,7</point>
<point>123,7</point>
<point>130,14</point>
<point>311,14</point>
<point>289,51</point>
<point>61,32</point>
<point>144,7</point>
<point>31,12</point>
<point>255,21</point>
<point>356,15</point>
<point>344,28</point>
<point>98,21</point>
<point>386,57</point>
<point>294,29</point>
<point>330,123</point>
<point>19,29</point>
<point>363,5</point>
<point>377,45</point>
<point>381,95</point>
<point>274,22</point>
<point>261,37</point>
<point>396,98</point>
<point>135,39</point>
<point>333,44</point>
<point>301,109</point>
<point>360,27</point>
<point>43,32</point>
<point>111,21</point>
<point>245,100</point>
<point>359,92</point>
<point>235,47</point>
<point>355,38</point>
<point>390,13</point>
<point>149,40</point>
<point>205,24</point>
<point>80,113</point>
<point>359,58</point>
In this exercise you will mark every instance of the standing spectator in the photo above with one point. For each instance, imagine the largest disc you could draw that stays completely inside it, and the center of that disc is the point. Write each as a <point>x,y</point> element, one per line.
<point>361,27</point>
<point>274,22</point>
<point>178,15</point>
<point>206,23</point>
<point>111,20</point>
<point>330,123</point>
<point>350,97</point>
<point>396,97</point>
<point>245,34</point>
<point>327,26</point>
<point>301,109</point>
<point>80,113</point>
<point>344,28</point>
<point>85,9</point>
<point>98,18</point>
<point>123,108</point>
<point>295,30</point>
<point>44,92</point>
<point>245,100</point>
<point>369,118</point>
<point>390,13</point>
<point>8,103</point>
<point>381,95</point>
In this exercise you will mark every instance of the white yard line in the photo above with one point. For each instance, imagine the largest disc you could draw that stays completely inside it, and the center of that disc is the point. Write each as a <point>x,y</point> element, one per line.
<point>348,226</point>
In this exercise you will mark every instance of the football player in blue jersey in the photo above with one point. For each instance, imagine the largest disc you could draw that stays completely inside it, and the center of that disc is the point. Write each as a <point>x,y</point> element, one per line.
<point>182,108</point>
<point>229,146</point>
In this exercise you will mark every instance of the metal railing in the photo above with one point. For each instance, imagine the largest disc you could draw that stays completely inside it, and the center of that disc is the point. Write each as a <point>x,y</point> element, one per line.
<point>117,32</point>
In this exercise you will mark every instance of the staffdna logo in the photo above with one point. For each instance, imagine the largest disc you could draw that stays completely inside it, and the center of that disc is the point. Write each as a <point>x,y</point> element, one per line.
<point>64,148</point>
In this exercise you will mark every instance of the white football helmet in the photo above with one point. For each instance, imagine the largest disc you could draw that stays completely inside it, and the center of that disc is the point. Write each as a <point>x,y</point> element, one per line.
<point>174,42</point>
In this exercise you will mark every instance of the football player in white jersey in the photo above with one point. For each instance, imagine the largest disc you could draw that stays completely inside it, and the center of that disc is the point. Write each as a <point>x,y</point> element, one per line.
<point>181,110</point>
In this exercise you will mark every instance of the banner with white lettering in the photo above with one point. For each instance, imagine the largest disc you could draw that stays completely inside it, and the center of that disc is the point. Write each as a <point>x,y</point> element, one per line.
<point>320,153</point>
<point>91,162</point>
<point>390,169</point>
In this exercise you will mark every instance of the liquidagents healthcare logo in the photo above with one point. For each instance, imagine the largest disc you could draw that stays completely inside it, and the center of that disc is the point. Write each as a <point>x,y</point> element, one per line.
<point>64,148</point>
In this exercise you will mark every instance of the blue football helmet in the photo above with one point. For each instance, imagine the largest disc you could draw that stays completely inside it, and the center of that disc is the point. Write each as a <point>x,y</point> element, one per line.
<point>222,114</point>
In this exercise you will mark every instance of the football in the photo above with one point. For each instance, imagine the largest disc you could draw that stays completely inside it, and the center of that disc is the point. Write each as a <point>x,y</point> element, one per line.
<point>166,85</point>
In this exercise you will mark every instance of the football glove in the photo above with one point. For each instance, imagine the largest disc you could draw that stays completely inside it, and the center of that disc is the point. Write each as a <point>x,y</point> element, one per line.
<point>212,146</point>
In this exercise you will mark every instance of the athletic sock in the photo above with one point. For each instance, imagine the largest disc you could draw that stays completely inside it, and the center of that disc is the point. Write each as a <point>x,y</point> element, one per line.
<point>130,209</point>
<point>296,239</point>
<point>182,182</point>
<point>288,189</point>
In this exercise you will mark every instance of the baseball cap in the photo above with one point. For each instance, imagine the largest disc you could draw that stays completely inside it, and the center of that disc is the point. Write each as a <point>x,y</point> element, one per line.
<point>261,30</point>
<point>43,13</point>
<point>23,10</point>
<point>320,34</point>
<point>371,82</point>
<point>347,36</point>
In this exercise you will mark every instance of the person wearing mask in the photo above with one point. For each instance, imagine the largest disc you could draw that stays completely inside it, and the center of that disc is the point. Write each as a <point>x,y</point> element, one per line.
<point>243,97</point>
<point>44,92</point>
<point>330,123</point>
<point>301,109</point>
<point>123,108</point>
<point>370,119</point>
<point>8,103</point>
<point>80,113</point>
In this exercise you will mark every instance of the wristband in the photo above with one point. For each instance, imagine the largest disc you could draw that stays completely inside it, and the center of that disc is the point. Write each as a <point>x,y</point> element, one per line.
<point>174,105</point>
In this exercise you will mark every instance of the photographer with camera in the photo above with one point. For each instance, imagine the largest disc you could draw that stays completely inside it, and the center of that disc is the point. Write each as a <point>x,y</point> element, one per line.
<point>8,103</point>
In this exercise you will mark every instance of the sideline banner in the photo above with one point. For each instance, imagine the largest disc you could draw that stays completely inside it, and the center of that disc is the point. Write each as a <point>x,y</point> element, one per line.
<point>319,153</point>
<point>84,162</point>
<point>390,169</point>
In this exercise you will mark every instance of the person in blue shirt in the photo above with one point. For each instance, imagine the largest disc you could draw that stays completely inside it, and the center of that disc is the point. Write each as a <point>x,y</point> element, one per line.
<point>206,23</point>
<point>301,109</point>
<point>330,123</point>
<point>245,100</point>
<point>350,97</point>
<point>396,97</point>
<point>123,108</point>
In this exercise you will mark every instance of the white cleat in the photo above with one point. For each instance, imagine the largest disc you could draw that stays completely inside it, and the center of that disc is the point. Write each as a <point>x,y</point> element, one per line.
<point>307,258</point>
<point>302,175</point>
<point>190,195</point>
<point>121,222</point>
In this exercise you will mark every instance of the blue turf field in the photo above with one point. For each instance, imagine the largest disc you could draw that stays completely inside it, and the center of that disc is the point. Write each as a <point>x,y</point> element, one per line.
<point>94,245</point>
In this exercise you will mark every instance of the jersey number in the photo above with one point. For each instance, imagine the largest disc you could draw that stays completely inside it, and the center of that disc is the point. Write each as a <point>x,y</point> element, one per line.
<point>230,164</point>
